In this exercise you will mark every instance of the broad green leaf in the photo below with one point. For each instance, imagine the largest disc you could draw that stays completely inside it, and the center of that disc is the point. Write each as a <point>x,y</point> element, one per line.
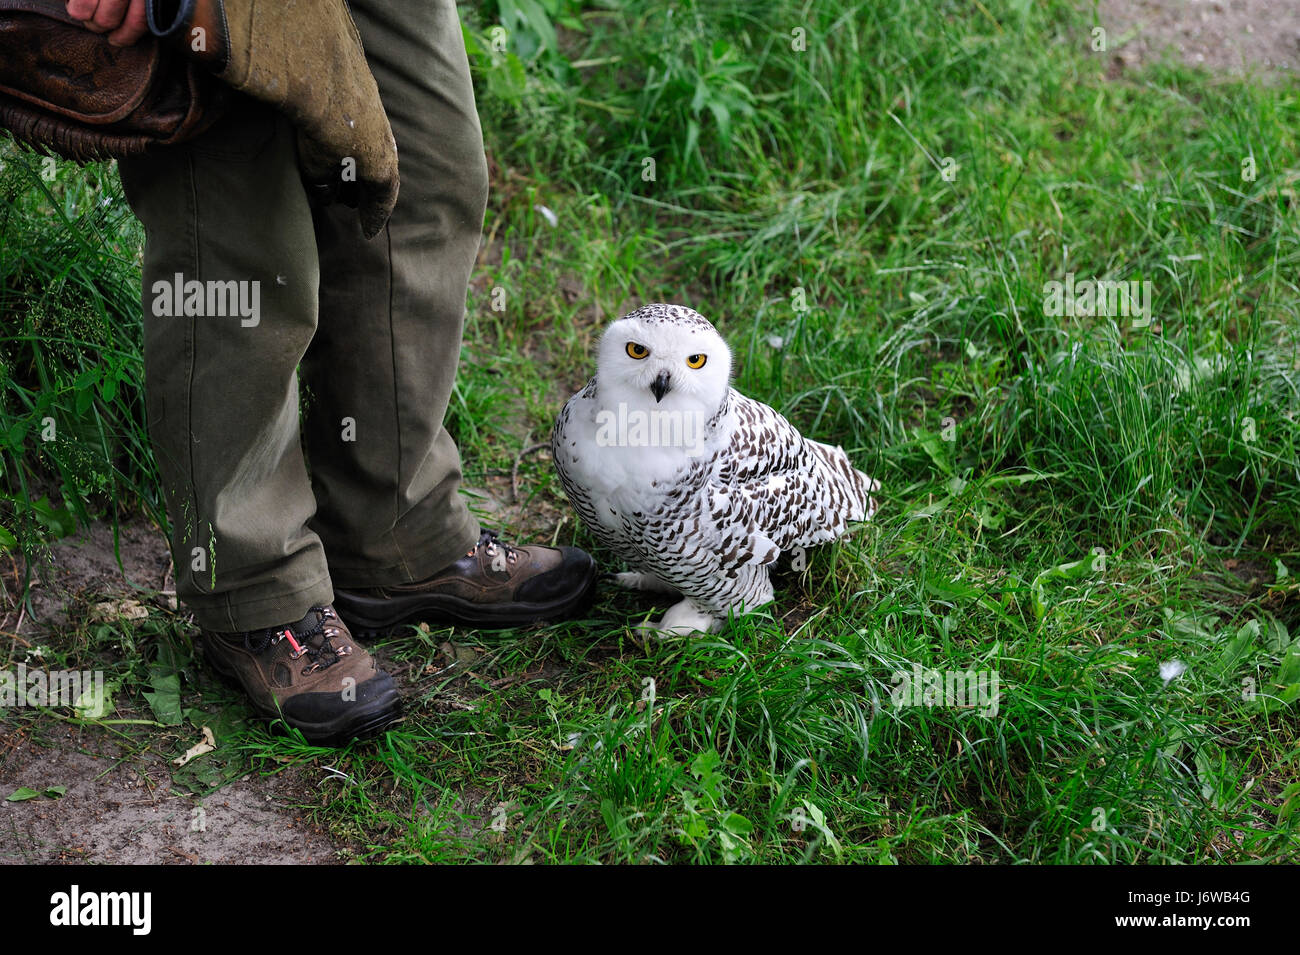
<point>705,764</point>
<point>1205,773</point>
<point>1200,628</point>
<point>165,700</point>
<point>1276,637</point>
<point>1277,702</point>
<point>737,824</point>
<point>934,446</point>
<point>695,827</point>
<point>96,702</point>
<point>989,518</point>
<point>1289,671</point>
<point>1239,646</point>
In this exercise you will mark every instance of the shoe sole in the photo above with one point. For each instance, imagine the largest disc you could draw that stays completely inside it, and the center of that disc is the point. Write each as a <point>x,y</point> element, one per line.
<point>375,617</point>
<point>364,724</point>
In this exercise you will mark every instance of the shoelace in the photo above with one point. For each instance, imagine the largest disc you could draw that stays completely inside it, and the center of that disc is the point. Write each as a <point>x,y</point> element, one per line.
<point>490,541</point>
<point>319,657</point>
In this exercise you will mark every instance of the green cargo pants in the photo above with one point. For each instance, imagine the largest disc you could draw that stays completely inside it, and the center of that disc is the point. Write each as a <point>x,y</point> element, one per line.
<point>376,326</point>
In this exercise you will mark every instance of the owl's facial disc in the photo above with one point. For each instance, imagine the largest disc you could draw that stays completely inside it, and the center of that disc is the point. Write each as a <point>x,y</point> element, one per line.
<point>668,354</point>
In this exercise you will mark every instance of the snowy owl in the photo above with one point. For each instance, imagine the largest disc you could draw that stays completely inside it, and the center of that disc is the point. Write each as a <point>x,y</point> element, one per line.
<point>697,487</point>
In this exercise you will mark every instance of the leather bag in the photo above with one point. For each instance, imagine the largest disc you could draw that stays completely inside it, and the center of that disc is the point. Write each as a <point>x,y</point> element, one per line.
<point>66,90</point>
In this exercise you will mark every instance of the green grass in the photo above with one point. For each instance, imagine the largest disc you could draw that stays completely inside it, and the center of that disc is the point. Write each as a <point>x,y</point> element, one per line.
<point>1069,501</point>
<point>72,435</point>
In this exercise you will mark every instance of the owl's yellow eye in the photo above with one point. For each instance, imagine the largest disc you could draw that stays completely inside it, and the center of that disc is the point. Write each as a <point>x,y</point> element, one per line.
<point>696,361</point>
<point>637,351</point>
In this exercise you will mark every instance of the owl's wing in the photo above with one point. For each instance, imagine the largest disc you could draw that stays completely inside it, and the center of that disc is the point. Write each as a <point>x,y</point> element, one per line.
<point>569,448</point>
<point>773,489</point>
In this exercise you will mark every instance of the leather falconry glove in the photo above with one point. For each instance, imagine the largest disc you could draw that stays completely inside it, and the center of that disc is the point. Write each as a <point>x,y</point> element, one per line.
<point>303,57</point>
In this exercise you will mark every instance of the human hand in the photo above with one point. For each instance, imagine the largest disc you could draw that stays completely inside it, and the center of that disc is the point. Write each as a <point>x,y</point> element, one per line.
<point>125,18</point>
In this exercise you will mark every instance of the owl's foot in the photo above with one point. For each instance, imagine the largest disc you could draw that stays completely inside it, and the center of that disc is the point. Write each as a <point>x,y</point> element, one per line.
<point>682,620</point>
<point>637,580</point>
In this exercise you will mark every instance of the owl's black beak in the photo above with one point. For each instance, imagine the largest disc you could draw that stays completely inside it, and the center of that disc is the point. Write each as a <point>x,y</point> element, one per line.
<point>660,386</point>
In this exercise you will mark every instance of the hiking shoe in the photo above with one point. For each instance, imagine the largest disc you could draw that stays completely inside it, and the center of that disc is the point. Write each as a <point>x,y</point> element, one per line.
<point>309,674</point>
<point>494,585</point>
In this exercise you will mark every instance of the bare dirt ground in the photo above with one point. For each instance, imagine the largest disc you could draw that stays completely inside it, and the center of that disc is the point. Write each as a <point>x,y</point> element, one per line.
<point>121,807</point>
<point>122,803</point>
<point>1258,38</point>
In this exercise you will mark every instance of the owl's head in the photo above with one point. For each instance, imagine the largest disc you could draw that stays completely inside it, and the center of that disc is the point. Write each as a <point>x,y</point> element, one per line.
<point>664,356</point>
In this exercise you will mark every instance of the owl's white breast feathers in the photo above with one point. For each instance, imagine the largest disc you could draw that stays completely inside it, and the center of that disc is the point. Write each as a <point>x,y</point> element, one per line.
<point>756,486</point>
